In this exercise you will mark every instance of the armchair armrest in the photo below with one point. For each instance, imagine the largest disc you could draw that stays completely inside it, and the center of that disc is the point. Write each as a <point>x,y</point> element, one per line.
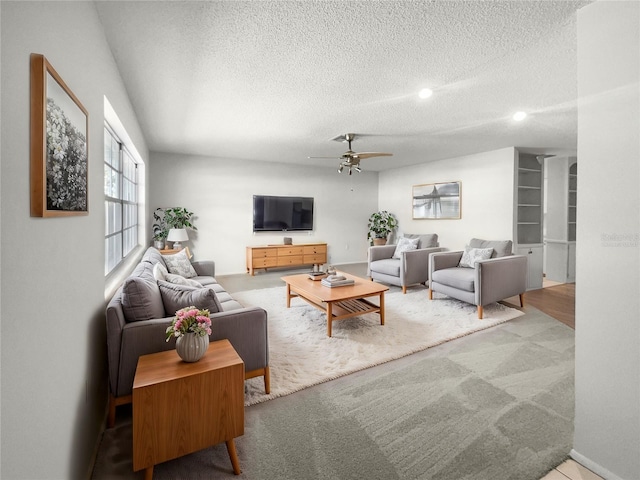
<point>415,265</point>
<point>500,278</point>
<point>442,260</point>
<point>380,252</point>
<point>205,268</point>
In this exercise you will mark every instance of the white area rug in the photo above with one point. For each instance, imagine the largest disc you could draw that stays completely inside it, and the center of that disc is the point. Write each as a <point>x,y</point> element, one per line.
<point>301,354</point>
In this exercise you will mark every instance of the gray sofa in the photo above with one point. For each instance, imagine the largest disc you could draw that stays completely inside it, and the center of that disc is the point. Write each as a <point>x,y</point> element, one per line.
<point>411,268</point>
<point>143,307</point>
<point>500,276</point>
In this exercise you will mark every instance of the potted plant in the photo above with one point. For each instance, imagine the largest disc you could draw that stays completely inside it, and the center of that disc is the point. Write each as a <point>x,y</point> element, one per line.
<point>381,224</point>
<point>160,228</point>
<point>168,218</point>
<point>179,217</point>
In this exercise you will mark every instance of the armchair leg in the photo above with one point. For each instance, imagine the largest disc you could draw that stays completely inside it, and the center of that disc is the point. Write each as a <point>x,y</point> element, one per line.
<point>480,312</point>
<point>521,300</point>
<point>430,294</point>
<point>404,289</point>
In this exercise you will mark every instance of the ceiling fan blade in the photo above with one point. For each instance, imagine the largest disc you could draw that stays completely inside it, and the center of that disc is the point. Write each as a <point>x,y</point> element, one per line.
<point>372,154</point>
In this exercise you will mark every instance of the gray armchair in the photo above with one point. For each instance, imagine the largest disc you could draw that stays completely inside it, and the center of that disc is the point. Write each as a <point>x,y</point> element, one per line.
<point>410,269</point>
<point>501,276</point>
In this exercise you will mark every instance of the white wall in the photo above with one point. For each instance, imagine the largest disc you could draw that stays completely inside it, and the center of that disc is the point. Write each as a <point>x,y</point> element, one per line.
<point>52,286</point>
<point>220,193</point>
<point>607,418</point>
<point>487,197</point>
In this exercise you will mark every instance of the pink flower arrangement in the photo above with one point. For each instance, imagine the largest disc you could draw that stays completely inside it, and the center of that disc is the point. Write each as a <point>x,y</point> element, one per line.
<point>190,320</point>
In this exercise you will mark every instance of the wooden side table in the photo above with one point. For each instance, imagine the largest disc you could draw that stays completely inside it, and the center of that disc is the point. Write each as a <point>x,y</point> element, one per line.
<point>180,408</point>
<point>172,251</point>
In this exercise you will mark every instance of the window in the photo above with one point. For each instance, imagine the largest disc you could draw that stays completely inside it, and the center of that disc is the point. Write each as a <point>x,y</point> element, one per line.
<point>120,201</point>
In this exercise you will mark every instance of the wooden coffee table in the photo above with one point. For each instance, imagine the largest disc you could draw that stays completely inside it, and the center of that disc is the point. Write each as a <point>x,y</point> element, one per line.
<point>337,302</point>
<point>180,408</point>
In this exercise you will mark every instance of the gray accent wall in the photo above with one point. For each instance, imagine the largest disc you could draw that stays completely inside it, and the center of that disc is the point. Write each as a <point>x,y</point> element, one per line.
<point>607,418</point>
<point>52,282</point>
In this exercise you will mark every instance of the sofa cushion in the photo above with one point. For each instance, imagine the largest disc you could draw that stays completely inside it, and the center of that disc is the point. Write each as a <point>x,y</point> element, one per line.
<point>472,255</point>
<point>204,280</point>
<point>501,248</point>
<point>405,244</point>
<point>460,278</point>
<point>427,240</point>
<point>387,266</point>
<point>141,299</point>
<point>152,256</point>
<point>180,264</point>
<point>174,297</point>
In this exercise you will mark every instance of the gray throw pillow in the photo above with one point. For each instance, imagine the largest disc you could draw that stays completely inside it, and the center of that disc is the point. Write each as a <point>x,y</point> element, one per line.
<point>141,300</point>
<point>405,244</point>
<point>179,264</point>
<point>175,297</point>
<point>425,240</point>
<point>472,255</point>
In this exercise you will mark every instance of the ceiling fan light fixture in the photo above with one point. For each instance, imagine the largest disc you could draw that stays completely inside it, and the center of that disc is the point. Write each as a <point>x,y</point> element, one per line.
<point>357,169</point>
<point>425,93</point>
<point>519,116</point>
<point>340,168</point>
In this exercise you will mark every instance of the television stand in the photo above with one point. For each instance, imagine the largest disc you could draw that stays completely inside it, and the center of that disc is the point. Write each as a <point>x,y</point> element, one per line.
<point>271,256</point>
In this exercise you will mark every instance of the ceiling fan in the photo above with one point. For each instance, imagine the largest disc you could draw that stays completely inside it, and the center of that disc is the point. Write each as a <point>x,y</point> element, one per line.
<point>351,159</point>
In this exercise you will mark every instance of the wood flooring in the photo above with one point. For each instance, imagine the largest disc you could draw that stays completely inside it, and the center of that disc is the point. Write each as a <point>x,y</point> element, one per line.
<point>557,302</point>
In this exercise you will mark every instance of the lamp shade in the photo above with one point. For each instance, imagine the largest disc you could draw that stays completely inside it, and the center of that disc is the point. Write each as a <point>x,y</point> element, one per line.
<point>177,235</point>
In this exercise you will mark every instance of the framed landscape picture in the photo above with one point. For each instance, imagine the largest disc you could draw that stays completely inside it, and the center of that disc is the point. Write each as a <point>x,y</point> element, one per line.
<point>437,201</point>
<point>59,146</point>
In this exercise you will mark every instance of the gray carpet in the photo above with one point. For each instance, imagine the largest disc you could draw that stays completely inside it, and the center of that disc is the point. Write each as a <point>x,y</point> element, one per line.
<point>497,404</point>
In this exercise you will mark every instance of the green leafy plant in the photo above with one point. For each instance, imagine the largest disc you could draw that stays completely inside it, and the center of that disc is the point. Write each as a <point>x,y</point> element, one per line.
<point>179,217</point>
<point>168,218</point>
<point>160,227</point>
<point>381,224</point>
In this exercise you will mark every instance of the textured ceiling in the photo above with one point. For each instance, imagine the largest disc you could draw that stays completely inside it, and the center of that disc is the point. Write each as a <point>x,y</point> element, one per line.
<point>276,80</point>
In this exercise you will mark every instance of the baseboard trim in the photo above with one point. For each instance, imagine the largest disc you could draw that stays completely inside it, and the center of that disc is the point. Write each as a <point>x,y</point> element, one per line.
<point>593,466</point>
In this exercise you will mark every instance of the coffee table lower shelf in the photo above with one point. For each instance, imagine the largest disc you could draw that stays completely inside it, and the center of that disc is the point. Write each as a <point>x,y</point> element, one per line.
<point>341,308</point>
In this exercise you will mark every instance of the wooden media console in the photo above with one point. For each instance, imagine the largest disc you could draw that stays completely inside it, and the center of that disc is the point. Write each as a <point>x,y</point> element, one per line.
<point>271,256</point>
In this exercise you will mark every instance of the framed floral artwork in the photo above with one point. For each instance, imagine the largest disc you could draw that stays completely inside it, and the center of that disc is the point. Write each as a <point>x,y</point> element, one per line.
<point>433,201</point>
<point>59,145</point>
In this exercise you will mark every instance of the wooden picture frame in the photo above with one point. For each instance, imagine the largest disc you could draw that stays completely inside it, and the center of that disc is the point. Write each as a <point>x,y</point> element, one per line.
<point>59,145</point>
<point>437,201</point>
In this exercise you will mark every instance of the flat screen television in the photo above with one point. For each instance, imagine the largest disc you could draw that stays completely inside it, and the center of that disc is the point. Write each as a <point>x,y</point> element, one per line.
<point>282,214</point>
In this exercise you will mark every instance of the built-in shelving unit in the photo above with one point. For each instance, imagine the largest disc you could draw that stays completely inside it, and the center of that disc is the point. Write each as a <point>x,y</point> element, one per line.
<point>560,237</point>
<point>529,185</point>
<point>573,202</point>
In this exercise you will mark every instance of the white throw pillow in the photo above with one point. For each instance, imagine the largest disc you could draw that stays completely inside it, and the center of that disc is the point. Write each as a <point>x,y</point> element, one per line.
<point>160,271</point>
<point>404,245</point>
<point>179,264</point>
<point>472,255</point>
<point>178,280</point>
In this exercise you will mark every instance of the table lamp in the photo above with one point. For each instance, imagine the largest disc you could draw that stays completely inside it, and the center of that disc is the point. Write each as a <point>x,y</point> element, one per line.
<point>177,235</point>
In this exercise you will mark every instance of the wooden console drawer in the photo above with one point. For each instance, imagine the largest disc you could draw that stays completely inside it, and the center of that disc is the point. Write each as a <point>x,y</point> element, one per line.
<point>316,259</point>
<point>264,252</point>
<point>290,260</point>
<point>286,251</point>
<point>314,249</point>
<point>265,262</point>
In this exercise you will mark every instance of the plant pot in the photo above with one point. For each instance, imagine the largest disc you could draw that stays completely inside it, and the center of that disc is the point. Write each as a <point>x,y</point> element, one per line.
<point>379,241</point>
<point>192,347</point>
<point>159,244</point>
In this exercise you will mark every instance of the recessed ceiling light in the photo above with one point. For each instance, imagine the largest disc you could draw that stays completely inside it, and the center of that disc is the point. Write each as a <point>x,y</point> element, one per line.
<point>519,116</point>
<point>425,93</point>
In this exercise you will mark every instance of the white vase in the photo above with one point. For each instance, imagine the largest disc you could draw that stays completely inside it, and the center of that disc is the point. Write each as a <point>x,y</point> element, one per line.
<point>192,347</point>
